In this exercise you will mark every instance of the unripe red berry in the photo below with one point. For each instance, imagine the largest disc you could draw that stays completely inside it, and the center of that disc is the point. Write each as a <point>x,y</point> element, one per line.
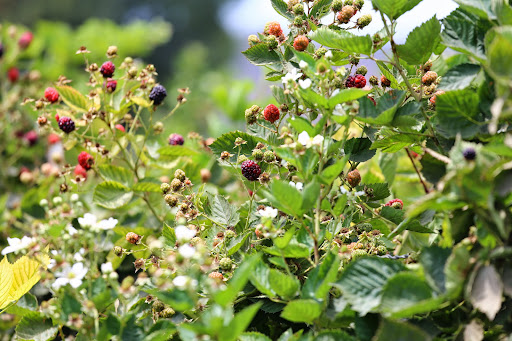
<point>51,95</point>
<point>13,74</point>
<point>353,178</point>
<point>80,171</point>
<point>271,113</point>
<point>31,137</point>
<point>216,276</point>
<point>25,40</point>
<point>395,203</point>
<point>429,77</point>
<point>133,238</point>
<point>300,43</point>
<point>346,13</point>
<point>385,82</point>
<point>274,28</point>
<point>120,127</point>
<point>107,69</point>
<point>111,85</point>
<point>85,160</point>
<point>176,140</point>
<point>359,81</point>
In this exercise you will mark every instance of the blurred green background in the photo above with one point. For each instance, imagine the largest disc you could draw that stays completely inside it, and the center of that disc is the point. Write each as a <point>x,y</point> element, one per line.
<point>183,39</point>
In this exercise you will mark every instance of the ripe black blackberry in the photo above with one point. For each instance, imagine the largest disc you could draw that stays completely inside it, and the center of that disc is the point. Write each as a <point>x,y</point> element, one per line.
<point>250,170</point>
<point>158,94</point>
<point>469,154</point>
<point>66,124</point>
<point>350,82</point>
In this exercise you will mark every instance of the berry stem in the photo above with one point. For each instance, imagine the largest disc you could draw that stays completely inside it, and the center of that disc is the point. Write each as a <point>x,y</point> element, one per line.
<point>425,187</point>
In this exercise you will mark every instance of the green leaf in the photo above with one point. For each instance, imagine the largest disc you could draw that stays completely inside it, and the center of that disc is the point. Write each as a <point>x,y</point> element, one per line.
<point>343,40</point>
<point>333,335</point>
<point>112,195</point>
<point>399,331</point>
<point>254,336</point>
<point>169,235</point>
<point>483,9</point>
<point>292,250</point>
<point>313,98</point>
<point>347,95</point>
<point>498,52</point>
<point>238,325</point>
<point>260,279</point>
<point>458,104</point>
<point>330,173</point>
<point>319,280</point>
<point>365,296</point>
<point>117,174</point>
<point>300,124</point>
<point>395,8</point>
<point>432,169</point>
<point>221,211</point>
<point>358,149</point>
<point>226,142</point>
<point>434,259</point>
<point>310,194</point>
<point>320,8</point>
<point>378,191</point>
<point>384,112</point>
<point>459,77</point>
<point>73,98</point>
<point>146,187</point>
<point>282,8</point>
<point>261,54</point>
<point>305,311</point>
<point>284,285</point>
<point>404,290</point>
<point>420,43</point>
<point>179,300</point>
<point>463,35</point>
<point>285,197</point>
<point>236,243</point>
<point>172,152</point>
<point>35,326</point>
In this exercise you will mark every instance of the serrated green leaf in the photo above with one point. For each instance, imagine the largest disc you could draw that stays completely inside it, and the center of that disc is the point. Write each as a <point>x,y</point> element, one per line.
<point>285,197</point>
<point>343,40</point>
<point>366,296</point>
<point>147,187</point>
<point>239,323</point>
<point>226,142</point>
<point>319,280</point>
<point>395,8</point>
<point>35,326</point>
<point>171,152</point>
<point>320,8</point>
<point>421,42</point>
<point>300,124</point>
<point>461,34</point>
<point>284,285</point>
<point>260,279</point>
<point>261,54</point>
<point>73,98</point>
<point>221,211</point>
<point>282,8</point>
<point>482,8</point>
<point>347,95</point>
<point>498,53</point>
<point>358,149</point>
<point>458,104</point>
<point>305,311</point>
<point>459,77</point>
<point>399,331</point>
<point>112,195</point>
<point>118,174</point>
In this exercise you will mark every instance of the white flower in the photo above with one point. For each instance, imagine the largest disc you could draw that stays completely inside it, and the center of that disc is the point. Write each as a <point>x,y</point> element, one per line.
<point>328,54</point>
<point>106,268</point>
<point>291,76</point>
<point>71,230</point>
<point>304,138</point>
<point>360,193</point>
<point>16,244</point>
<point>268,212</point>
<point>74,197</point>
<point>107,224</point>
<point>78,257</point>
<point>338,110</point>
<point>88,220</point>
<point>184,282</point>
<point>183,233</point>
<point>343,190</point>
<point>317,140</point>
<point>306,83</point>
<point>187,251</point>
<point>299,185</point>
<point>70,275</point>
<point>303,64</point>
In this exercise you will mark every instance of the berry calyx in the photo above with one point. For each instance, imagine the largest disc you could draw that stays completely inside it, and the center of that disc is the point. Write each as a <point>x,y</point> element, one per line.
<point>353,178</point>
<point>25,40</point>
<point>66,124</point>
<point>51,95</point>
<point>158,94</point>
<point>85,160</point>
<point>300,43</point>
<point>469,154</point>
<point>359,81</point>
<point>250,170</point>
<point>176,140</point>
<point>429,77</point>
<point>395,203</point>
<point>271,113</point>
<point>107,69</point>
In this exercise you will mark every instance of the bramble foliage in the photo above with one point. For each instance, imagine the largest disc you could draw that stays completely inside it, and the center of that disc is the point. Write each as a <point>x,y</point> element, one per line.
<point>354,207</point>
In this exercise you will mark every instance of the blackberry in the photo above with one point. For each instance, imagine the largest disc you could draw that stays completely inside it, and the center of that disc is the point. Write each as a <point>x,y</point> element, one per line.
<point>107,69</point>
<point>469,154</point>
<point>349,83</point>
<point>158,94</point>
<point>385,82</point>
<point>66,124</point>
<point>359,81</point>
<point>250,170</point>
<point>176,140</point>
<point>85,160</point>
<point>111,85</point>
<point>300,43</point>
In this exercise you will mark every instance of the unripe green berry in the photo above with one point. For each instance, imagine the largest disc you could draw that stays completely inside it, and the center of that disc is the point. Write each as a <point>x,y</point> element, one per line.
<point>374,80</point>
<point>253,40</point>
<point>226,264</point>
<point>165,187</point>
<point>358,4</point>
<point>362,70</point>
<point>381,250</point>
<point>167,313</point>
<point>180,174</point>
<point>298,9</point>
<point>158,306</point>
<point>337,83</point>
<point>298,22</point>
<point>337,5</point>
<point>158,127</point>
<point>358,253</point>
<point>320,52</point>
<point>257,154</point>
<point>229,234</point>
<point>250,117</point>
<point>176,185</point>
<point>272,42</point>
<point>364,21</point>
<point>118,251</point>
<point>242,158</point>
<point>269,156</point>
<point>171,200</point>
